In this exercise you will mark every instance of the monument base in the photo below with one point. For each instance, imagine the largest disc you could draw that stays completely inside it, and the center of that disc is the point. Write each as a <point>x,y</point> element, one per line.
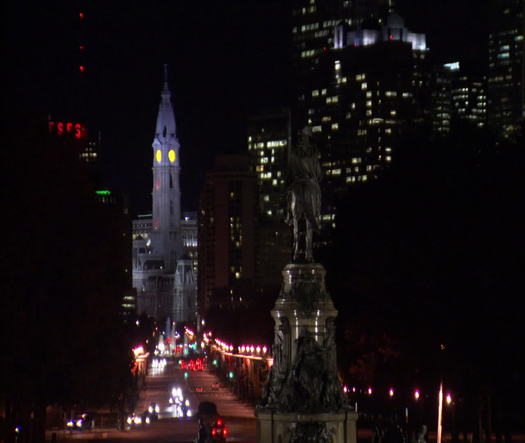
<point>288,427</point>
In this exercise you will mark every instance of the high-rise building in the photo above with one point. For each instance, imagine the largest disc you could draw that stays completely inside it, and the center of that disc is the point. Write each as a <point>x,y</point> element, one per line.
<point>71,113</point>
<point>506,70</point>
<point>116,211</point>
<point>363,95</point>
<point>163,272</point>
<point>227,220</point>
<point>313,23</point>
<point>268,142</point>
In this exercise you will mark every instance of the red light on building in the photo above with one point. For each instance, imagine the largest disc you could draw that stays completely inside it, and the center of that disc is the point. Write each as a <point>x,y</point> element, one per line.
<point>81,68</point>
<point>81,15</point>
<point>81,47</point>
<point>78,130</point>
<point>390,37</point>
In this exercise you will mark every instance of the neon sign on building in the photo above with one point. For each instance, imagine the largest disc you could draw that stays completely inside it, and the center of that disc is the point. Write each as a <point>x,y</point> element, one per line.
<point>78,130</point>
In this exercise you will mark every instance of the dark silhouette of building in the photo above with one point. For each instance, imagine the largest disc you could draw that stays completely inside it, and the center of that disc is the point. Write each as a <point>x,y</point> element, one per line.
<point>226,231</point>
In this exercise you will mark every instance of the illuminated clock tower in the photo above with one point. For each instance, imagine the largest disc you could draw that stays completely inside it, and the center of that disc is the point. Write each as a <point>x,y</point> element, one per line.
<point>165,241</point>
<point>165,236</point>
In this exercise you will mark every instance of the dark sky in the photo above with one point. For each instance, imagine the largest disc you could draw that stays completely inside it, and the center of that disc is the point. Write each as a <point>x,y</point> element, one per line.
<point>226,60</point>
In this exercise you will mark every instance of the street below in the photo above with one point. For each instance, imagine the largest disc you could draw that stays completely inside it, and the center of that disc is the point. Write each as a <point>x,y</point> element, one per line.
<point>196,386</point>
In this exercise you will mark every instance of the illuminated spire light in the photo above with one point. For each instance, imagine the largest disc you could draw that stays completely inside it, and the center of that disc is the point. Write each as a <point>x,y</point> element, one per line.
<point>416,394</point>
<point>391,392</point>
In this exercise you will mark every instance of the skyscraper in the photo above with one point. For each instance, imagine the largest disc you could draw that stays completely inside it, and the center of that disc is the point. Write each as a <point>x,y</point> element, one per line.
<point>268,142</point>
<point>162,275</point>
<point>506,71</point>
<point>227,223</point>
<point>363,94</point>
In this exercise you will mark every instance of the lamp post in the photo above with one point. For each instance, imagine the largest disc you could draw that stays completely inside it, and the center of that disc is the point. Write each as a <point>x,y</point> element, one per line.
<point>440,413</point>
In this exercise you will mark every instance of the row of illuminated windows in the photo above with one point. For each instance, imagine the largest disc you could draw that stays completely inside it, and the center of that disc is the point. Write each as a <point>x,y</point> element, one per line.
<point>353,178</point>
<point>309,53</point>
<point>265,160</point>
<point>309,27</point>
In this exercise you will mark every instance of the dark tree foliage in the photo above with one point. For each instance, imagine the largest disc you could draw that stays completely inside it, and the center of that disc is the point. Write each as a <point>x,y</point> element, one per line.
<point>63,339</point>
<point>433,254</point>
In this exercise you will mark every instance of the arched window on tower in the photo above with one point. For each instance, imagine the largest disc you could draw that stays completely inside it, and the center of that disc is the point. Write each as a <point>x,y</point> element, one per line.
<point>171,181</point>
<point>171,206</point>
<point>164,131</point>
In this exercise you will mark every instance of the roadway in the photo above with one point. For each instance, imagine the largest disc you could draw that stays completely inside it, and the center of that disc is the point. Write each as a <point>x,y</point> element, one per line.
<point>197,387</point>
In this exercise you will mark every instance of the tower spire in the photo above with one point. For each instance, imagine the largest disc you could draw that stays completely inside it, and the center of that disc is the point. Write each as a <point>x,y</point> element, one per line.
<point>165,132</point>
<point>166,87</point>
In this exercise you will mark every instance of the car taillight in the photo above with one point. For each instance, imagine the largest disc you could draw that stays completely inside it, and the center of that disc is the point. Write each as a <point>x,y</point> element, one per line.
<point>214,432</point>
<point>225,431</point>
<point>220,422</point>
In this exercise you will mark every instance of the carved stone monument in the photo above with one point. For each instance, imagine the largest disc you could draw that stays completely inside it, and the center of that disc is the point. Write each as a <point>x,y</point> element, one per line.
<point>303,400</point>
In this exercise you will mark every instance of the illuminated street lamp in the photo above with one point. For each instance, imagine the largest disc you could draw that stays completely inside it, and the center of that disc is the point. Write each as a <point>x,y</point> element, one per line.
<point>416,394</point>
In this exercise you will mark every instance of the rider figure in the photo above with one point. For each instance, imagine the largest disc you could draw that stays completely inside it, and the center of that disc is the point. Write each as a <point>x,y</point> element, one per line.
<point>304,195</point>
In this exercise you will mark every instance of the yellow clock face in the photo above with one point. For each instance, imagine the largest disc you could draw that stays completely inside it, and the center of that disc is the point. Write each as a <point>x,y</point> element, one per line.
<point>172,155</point>
<point>158,155</point>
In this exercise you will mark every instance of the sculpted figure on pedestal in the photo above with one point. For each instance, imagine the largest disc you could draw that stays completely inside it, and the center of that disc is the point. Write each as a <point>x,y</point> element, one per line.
<point>304,196</point>
<point>279,370</point>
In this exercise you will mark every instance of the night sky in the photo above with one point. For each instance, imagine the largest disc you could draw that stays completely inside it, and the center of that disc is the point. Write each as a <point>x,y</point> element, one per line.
<point>227,59</point>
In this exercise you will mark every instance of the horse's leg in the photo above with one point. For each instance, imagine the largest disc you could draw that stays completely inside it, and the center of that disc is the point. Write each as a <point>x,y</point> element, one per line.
<point>297,239</point>
<point>308,240</point>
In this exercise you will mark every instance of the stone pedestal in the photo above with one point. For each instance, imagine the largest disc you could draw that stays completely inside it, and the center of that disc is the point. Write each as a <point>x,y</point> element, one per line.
<point>278,427</point>
<point>303,400</point>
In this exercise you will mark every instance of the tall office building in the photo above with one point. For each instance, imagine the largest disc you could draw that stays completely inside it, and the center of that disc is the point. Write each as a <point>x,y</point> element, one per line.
<point>72,111</point>
<point>506,70</point>
<point>268,142</point>
<point>227,219</point>
<point>313,22</point>
<point>361,98</point>
<point>163,271</point>
<point>269,138</point>
<point>456,98</point>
